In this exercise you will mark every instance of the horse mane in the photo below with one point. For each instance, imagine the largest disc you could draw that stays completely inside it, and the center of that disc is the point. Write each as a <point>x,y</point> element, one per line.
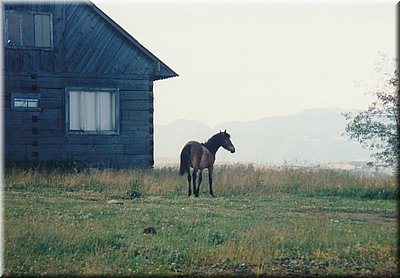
<point>212,140</point>
<point>215,141</point>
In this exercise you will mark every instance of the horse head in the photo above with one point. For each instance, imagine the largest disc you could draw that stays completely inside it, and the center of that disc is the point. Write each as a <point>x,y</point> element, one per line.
<point>226,141</point>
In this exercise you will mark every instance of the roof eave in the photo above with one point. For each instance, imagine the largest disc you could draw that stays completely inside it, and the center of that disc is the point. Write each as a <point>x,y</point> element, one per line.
<point>162,77</point>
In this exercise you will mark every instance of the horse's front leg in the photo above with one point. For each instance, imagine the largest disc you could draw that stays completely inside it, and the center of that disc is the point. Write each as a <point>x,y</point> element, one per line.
<point>210,171</point>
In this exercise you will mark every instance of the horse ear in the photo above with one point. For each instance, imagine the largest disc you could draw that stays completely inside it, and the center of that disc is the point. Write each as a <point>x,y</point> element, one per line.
<point>225,131</point>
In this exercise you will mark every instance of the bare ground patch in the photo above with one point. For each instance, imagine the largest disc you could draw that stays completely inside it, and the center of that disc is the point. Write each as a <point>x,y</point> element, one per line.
<point>340,215</point>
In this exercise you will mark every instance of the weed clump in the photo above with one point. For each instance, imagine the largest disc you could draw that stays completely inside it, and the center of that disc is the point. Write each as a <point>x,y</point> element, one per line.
<point>134,191</point>
<point>216,238</point>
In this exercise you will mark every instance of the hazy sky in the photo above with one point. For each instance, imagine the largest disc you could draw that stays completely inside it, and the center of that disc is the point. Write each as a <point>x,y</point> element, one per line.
<point>241,61</point>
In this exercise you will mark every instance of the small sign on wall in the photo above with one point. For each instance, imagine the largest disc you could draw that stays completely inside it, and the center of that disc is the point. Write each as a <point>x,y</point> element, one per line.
<point>25,101</point>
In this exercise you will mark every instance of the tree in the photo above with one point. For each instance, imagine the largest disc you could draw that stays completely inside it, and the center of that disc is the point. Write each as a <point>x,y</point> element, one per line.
<point>377,127</point>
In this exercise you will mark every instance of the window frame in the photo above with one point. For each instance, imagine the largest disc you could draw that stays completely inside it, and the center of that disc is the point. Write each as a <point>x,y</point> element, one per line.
<point>115,91</point>
<point>21,32</point>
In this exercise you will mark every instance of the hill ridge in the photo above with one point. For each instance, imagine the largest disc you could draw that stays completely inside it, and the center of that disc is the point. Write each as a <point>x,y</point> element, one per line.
<point>310,136</point>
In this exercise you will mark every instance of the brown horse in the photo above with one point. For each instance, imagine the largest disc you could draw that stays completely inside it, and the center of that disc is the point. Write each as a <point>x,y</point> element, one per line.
<point>200,156</point>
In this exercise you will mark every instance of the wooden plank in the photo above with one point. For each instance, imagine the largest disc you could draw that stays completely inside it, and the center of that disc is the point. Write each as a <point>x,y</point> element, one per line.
<point>122,63</point>
<point>135,105</point>
<point>133,95</point>
<point>102,53</point>
<point>128,142</point>
<point>121,59</point>
<point>109,160</point>
<point>50,113</point>
<point>72,7</point>
<point>96,28</point>
<point>14,60</point>
<point>56,140</point>
<point>132,133</point>
<point>58,36</point>
<point>110,56</point>
<point>42,120</point>
<point>26,125</point>
<point>137,149</point>
<point>128,116</point>
<point>99,46</point>
<point>52,103</point>
<point>56,153</point>
<point>75,31</point>
<point>46,61</point>
<point>48,119</point>
<point>93,150</point>
<point>21,116</point>
<point>53,93</point>
<point>18,153</point>
<point>27,133</point>
<point>142,64</point>
<point>17,139</point>
<point>73,23</point>
<point>25,152</point>
<point>84,38</point>
<point>132,126</point>
<point>117,77</point>
<point>36,60</point>
<point>18,83</point>
<point>135,117</point>
<point>52,98</point>
<point>97,139</point>
<point>116,161</point>
<point>27,61</point>
<point>45,7</point>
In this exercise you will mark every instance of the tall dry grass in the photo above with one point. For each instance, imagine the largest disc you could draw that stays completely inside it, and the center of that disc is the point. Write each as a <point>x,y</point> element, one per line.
<point>309,181</point>
<point>228,179</point>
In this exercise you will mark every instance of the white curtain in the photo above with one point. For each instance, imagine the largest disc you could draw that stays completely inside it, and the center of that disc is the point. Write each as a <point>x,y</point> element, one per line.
<point>92,111</point>
<point>74,111</point>
<point>106,110</point>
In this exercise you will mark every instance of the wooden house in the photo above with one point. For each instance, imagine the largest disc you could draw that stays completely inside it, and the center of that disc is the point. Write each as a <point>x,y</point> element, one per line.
<point>77,87</point>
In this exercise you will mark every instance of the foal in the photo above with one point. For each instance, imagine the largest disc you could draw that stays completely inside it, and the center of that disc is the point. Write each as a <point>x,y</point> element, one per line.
<point>200,156</point>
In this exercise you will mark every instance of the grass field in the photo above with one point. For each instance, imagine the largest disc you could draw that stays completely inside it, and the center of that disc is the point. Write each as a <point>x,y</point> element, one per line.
<point>263,221</point>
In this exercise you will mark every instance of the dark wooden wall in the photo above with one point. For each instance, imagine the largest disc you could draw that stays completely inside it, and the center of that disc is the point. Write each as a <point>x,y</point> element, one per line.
<point>87,52</point>
<point>41,136</point>
<point>84,43</point>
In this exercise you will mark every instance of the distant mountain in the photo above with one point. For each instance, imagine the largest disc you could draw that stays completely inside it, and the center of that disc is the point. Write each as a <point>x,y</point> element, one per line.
<point>312,136</point>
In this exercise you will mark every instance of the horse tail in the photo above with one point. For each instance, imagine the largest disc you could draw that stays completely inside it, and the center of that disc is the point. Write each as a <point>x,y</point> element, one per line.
<point>185,160</point>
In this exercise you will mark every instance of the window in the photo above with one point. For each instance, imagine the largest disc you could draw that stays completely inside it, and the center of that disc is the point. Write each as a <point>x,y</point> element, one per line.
<point>28,30</point>
<point>25,101</point>
<point>92,111</point>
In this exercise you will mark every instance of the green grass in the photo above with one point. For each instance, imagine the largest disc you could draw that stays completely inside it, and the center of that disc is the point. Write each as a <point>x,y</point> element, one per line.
<point>263,221</point>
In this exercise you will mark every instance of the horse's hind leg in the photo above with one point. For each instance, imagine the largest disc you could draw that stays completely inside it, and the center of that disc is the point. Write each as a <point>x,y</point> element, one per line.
<point>189,178</point>
<point>198,184</point>
<point>194,177</point>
